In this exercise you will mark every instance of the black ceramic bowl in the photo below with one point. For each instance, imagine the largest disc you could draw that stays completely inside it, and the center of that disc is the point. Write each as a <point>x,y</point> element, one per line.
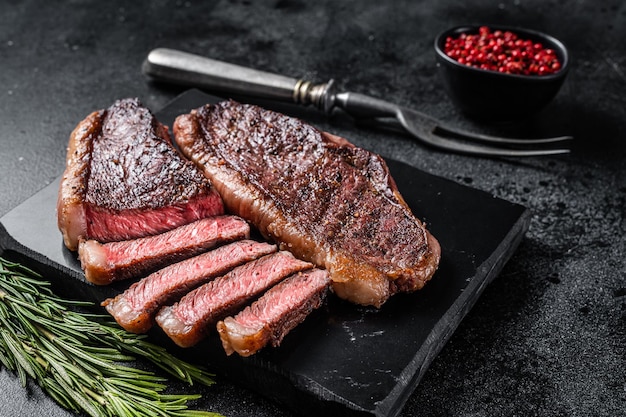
<point>494,95</point>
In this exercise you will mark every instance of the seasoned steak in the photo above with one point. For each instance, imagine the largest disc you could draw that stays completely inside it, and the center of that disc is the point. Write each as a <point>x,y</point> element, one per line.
<point>275,313</point>
<point>316,194</point>
<point>189,320</point>
<point>115,261</point>
<point>124,179</point>
<point>136,307</point>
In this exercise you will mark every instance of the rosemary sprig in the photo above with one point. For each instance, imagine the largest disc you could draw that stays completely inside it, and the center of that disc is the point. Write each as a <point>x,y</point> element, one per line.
<point>77,357</point>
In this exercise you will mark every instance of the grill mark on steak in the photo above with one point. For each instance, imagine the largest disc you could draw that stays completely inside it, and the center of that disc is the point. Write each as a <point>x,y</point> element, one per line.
<point>136,307</point>
<point>316,194</point>
<point>269,319</point>
<point>115,261</point>
<point>190,319</point>
<point>124,179</point>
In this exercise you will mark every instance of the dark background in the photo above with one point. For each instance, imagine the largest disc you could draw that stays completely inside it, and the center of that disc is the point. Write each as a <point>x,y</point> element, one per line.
<point>548,337</point>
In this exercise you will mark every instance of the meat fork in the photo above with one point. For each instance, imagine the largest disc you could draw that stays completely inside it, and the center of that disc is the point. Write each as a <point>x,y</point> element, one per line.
<point>193,70</point>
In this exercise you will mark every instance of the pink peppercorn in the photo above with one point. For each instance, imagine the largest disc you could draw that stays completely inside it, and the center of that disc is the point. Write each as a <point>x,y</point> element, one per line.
<point>502,51</point>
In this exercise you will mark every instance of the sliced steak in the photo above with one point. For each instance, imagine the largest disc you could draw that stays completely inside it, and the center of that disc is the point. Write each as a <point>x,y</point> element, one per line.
<point>115,261</point>
<point>316,194</point>
<point>189,320</point>
<point>124,179</point>
<point>275,313</point>
<point>136,307</point>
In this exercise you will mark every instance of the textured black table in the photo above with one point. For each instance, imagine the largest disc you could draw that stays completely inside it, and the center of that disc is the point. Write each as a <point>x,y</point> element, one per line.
<point>548,336</point>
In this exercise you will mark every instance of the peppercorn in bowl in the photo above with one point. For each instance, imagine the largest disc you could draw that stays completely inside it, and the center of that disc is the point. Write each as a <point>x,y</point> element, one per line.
<point>500,73</point>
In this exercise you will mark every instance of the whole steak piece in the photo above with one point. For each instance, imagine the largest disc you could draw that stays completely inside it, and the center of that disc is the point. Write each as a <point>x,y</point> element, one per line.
<point>317,195</point>
<point>124,179</point>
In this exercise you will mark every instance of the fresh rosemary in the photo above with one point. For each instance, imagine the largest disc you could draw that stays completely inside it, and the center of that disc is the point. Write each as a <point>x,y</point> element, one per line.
<point>78,358</point>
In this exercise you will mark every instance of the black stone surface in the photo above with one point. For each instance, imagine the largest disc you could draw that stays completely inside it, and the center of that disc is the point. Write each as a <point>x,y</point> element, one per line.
<point>548,336</point>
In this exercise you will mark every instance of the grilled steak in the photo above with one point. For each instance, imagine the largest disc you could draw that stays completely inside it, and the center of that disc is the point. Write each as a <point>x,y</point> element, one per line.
<point>316,194</point>
<point>276,313</point>
<point>190,319</point>
<point>124,179</point>
<point>136,307</point>
<point>115,261</point>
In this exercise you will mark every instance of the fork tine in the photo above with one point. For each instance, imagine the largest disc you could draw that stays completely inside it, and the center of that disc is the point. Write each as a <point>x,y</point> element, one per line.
<point>430,130</point>
<point>473,149</point>
<point>440,142</point>
<point>479,137</point>
<point>414,120</point>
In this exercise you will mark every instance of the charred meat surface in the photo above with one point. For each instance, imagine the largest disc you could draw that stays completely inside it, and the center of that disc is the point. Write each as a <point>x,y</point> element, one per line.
<point>269,319</point>
<point>316,194</point>
<point>136,307</point>
<point>115,261</point>
<point>189,320</point>
<point>124,179</point>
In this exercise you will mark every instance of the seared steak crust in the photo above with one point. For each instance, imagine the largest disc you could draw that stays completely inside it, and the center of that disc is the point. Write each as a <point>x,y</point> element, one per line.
<point>124,179</point>
<point>318,195</point>
<point>135,166</point>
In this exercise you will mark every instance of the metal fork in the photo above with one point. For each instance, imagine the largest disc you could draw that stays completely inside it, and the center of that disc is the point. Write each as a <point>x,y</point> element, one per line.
<point>436,134</point>
<point>194,70</point>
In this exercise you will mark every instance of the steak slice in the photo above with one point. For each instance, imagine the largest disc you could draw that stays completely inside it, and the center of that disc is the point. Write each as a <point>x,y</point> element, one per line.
<point>124,179</point>
<point>116,261</point>
<point>316,194</point>
<point>274,314</point>
<point>189,320</point>
<point>136,307</point>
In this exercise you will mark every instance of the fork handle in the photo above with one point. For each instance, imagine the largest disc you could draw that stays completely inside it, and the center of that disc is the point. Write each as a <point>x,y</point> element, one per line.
<point>364,106</point>
<point>194,70</point>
